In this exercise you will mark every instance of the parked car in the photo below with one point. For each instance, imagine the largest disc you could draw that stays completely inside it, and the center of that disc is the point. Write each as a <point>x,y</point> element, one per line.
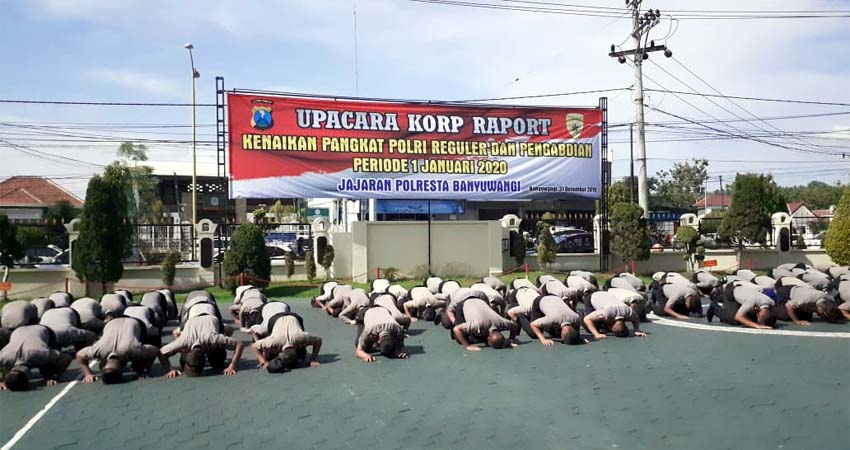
<point>571,242</point>
<point>43,255</point>
<point>279,251</point>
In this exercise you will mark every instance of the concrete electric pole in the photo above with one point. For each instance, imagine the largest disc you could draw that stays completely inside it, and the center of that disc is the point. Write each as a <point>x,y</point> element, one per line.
<point>641,25</point>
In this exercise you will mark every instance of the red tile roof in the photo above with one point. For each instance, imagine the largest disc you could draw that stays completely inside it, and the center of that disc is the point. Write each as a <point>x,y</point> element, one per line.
<point>822,213</point>
<point>34,191</point>
<point>793,206</point>
<point>714,200</point>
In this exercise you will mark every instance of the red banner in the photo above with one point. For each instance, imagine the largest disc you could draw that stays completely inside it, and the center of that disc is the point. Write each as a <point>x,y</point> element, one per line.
<point>308,147</point>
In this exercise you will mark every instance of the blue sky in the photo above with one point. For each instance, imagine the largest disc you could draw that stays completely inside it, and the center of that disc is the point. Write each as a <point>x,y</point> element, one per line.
<point>126,50</point>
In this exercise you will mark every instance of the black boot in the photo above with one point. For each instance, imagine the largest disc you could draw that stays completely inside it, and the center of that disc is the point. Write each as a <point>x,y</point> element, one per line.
<point>709,314</point>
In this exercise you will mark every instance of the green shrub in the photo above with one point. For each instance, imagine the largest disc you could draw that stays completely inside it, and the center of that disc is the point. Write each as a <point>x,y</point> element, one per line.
<point>169,268</point>
<point>310,266</point>
<point>247,255</point>
<point>837,242</point>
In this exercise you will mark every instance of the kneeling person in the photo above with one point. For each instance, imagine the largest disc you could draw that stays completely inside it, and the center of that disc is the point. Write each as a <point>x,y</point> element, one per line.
<point>124,340</point>
<point>286,345</point>
<point>379,328</point>
<point>31,347</point>
<point>473,319</point>
<point>551,315</point>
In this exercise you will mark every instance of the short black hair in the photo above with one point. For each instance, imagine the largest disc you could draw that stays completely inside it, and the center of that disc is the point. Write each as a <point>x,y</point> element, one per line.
<point>276,366</point>
<point>195,361</point>
<point>429,314</point>
<point>831,313</point>
<point>387,345</point>
<point>571,336</point>
<point>289,357</point>
<point>111,376</point>
<point>620,329</point>
<point>17,380</point>
<point>496,339</point>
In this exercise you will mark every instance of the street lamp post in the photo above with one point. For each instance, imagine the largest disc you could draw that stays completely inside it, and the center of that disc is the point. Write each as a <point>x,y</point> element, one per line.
<point>195,75</point>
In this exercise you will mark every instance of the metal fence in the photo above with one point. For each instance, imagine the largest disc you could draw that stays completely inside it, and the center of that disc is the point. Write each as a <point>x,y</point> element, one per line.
<point>806,231</point>
<point>151,242</point>
<point>281,239</point>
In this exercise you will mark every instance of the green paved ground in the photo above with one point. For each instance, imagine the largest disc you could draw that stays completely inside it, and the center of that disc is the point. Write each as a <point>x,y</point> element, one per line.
<point>676,389</point>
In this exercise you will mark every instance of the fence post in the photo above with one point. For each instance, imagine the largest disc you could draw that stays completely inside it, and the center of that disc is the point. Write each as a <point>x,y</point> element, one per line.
<point>241,279</point>
<point>526,271</point>
<point>377,272</point>
<point>634,267</point>
<point>67,285</point>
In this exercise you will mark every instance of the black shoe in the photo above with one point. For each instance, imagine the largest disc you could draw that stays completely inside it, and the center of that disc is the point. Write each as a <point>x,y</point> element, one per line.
<point>709,314</point>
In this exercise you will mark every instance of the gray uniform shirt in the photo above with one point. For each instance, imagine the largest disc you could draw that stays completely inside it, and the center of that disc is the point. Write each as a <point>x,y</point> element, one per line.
<point>252,301</point>
<point>357,298</point>
<point>706,280</point>
<point>433,284</point>
<point>399,291</point>
<point>380,285</point>
<point>151,300</point>
<point>340,295</point>
<point>604,299</point>
<point>815,279</point>
<point>623,283</point>
<point>555,287</point>
<point>543,279</point>
<point>422,297</point>
<point>806,298</point>
<point>765,281</point>
<point>201,332</point>
<point>60,299</point>
<point>479,317</point>
<point>378,321</point>
<point>63,323</point>
<point>42,305</point>
<point>287,332</point>
<point>462,294</point>
<point>751,299</point>
<point>28,346</point>
<point>387,302</point>
<point>327,291</point>
<point>495,298</point>
<point>636,282</point>
<point>745,274</point>
<point>580,284</point>
<point>113,303</point>
<point>588,276</point>
<point>556,314</point>
<point>270,309</point>
<point>612,313</point>
<point>523,283</point>
<point>88,309</point>
<point>121,339</point>
<point>844,291</point>
<point>628,297</point>
<point>494,283</point>
<point>793,281</point>
<point>676,293</point>
<point>146,315</point>
<point>18,313</point>
<point>525,300</point>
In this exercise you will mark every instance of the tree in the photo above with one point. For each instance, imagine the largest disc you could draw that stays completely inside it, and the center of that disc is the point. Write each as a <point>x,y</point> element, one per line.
<point>10,248</point>
<point>694,249</point>
<point>710,223</point>
<point>837,242</point>
<point>328,260</point>
<point>547,249</point>
<point>169,268</point>
<point>247,255</point>
<point>618,192</point>
<point>137,180</point>
<point>310,265</point>
<point>280,211</point>
<point>680,187</point>
<point>57,216</point>
<point>756,199</point>
<point>629,232</point>
<point>105,234</point>
<point>289,262</point>
<point>816,194</point>
<point>259,216</point>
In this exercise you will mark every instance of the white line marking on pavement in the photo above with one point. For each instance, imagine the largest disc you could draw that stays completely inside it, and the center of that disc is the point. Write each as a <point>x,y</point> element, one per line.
<point>31,423</point>
<point>701,326</point>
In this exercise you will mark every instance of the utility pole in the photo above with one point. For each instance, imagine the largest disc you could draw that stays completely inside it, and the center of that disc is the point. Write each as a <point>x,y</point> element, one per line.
<point>641,26</point>
<point>631,163</point>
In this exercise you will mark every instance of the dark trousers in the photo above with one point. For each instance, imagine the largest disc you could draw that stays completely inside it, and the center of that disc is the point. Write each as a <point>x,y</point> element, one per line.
<point>526,326</point>
<point>727,312</point>
<point>781,313</point>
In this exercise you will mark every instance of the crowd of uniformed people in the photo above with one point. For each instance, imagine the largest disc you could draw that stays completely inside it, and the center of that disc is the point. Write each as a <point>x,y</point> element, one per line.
<point>119,334</point>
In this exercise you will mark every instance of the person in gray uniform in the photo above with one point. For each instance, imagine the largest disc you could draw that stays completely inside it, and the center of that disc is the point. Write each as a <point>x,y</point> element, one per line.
<point>422,304</point>
<point>815,279</point>
<point>706,282</point>
<point>553,286</point>
<point>113,304</point>
<point>250,310</point>
<point>550,315</point>
<point>401,294</point>
<point>388,302</point>
<point>496,284</point>
<point>433,284</point>
<point>494,298</point>
<point>338,300</point>
<point>31,347</point>
<point>124,340</point>
<point>156,302</point>
<point>357,300</point>
<point>147,317</point>
<point>202,339</point>
<point>286,345</point>
<point>456,297</point>
<point>376,327</point>
<point>612,316</point>
<point>742,305</point>
<point>520,313</point>
<point>475,321</point>
<point>238,295</point>
<point>325,294</point>
<point>839,289</point>
<point>677,300</point>
<point>128,296</point>
<point>90,313</point>
<point>18,313</point>
<point>380,286</point>
<point>269,310</point>
<point>171,309</point>
<point>625,280</point>
<point>42,305</point>
<point>799,304</point>
<point>65,323</point>
<point>61,299</point>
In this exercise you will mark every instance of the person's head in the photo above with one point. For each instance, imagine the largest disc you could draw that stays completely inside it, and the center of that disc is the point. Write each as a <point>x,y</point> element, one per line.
<point>429,314</point>
<point>17,379</point>
<point>619,328</point>
<point>830,312</point>
<point>765,317</point>
<point>386,343</point>
<point>570,335</point>
<point>289,358</point>
<point>112,371</point>
<point>195,361</point>
<point>692,300</point>
<point>217,358</point>
<point>496,339</point>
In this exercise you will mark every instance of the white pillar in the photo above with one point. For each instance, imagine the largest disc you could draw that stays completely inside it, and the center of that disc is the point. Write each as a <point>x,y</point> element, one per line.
<point>373,216</point>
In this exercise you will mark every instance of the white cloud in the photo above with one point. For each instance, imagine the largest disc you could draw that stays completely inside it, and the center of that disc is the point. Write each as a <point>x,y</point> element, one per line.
<point>139,81</point>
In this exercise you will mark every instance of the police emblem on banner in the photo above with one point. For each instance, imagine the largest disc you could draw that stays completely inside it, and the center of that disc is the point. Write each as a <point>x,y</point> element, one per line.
<point>575,124</point>
<point>261,115</point>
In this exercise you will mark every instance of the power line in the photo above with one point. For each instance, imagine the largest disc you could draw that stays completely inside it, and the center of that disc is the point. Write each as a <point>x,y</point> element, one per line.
<point>81,103</point>
<point>559,94</point>
<point>757,99</point>
<point>46,155</point>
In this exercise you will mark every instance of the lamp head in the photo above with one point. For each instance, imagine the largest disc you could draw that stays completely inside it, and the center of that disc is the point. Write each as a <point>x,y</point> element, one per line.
<point>188,46</point>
